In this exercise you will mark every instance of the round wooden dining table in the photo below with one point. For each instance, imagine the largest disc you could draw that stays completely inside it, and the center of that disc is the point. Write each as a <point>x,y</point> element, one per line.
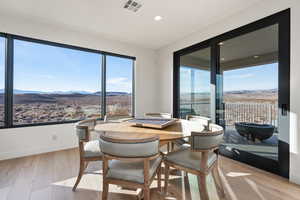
<point>126,131</point>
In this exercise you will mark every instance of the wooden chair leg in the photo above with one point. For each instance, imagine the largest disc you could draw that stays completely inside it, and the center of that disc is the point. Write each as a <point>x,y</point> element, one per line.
<point>167,168</point>
<point>81,170</point>
<point>105,190</point>
<point>218,182</point>
<point>159,178</point>
<point>104,182</point>
<point>203,187</point>
<point>147,193</point>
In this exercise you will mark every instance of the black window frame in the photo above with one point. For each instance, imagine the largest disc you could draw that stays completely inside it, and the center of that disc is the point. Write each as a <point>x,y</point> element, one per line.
<point>4,75</point>
<point>9,77</point>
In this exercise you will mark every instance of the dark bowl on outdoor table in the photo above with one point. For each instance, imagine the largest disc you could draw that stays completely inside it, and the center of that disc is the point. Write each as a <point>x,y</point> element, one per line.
<point>255,131</point>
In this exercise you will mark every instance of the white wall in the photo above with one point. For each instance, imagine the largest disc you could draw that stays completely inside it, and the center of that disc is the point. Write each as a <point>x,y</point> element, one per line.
<point>261,10</point>
<point>33,140</point>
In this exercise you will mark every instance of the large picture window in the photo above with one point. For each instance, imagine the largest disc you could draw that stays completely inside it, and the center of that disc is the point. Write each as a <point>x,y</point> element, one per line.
<point>53,83</point>
<point>2,80</point>
<point>119,74</point>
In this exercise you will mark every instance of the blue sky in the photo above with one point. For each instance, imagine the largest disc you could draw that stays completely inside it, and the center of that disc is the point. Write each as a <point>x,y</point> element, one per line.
<point>249,78</point>
<point>46,68</point>
<point>252,78</point>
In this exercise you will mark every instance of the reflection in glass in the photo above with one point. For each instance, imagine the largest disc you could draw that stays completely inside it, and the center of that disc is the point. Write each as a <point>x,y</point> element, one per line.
<point>195,84</point>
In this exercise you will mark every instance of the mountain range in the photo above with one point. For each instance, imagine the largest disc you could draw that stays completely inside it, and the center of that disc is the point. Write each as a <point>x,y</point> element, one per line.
<point>252,91</point>
<point>16,91</point>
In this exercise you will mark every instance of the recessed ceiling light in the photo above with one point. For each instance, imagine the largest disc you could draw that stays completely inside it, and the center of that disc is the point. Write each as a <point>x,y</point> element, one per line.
<point>221,43</point>
<point>255,57</point>
<point>157,18</point>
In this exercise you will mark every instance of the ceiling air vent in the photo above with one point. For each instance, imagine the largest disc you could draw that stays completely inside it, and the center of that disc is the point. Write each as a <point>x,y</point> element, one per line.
<point>132,5</point>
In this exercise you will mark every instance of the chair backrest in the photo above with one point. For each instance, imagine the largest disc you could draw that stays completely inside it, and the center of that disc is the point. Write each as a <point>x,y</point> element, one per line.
<point>205,121</point>
<point>207,139</point>
<point>129,147</point>
<point>159,115</point>
<point>84,128</point>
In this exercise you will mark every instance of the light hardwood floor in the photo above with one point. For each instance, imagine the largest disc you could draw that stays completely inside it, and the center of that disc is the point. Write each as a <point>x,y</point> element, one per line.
<point>51,177</point>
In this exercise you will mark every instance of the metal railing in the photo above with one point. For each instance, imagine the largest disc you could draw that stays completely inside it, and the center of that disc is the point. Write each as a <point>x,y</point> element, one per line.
<point>262,113</point>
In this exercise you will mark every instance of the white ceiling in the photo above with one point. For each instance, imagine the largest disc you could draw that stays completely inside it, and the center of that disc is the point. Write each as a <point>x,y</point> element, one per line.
<point>107,18</point>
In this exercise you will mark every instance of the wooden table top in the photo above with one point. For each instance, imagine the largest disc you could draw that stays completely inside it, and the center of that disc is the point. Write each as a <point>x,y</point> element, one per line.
<point>181,129</point>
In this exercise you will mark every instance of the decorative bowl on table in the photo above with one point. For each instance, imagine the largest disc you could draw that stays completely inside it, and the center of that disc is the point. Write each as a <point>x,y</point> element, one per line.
<point>254,131</point>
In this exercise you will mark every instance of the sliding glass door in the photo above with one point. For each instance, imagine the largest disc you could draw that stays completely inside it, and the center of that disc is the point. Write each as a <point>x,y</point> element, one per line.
<point>248,95</point>
<point>195,95</point>
<point>240,80</point>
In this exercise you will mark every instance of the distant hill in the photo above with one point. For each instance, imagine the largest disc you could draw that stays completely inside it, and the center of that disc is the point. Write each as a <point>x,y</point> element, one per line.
<point>240,92</point>
<point>112,93</point>
<point>16,91</point>
<point>116,93</point>
<point>251,91</point>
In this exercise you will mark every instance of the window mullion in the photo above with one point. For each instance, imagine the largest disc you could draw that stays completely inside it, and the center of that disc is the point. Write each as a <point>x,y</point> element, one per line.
<point>9,51</point>
<point>103,92</point>
<point>133,90</point>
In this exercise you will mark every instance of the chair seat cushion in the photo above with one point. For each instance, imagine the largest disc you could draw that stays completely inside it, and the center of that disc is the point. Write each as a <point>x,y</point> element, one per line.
<point>92,149</point>
<point>188,159</point>
<point>131,171</point>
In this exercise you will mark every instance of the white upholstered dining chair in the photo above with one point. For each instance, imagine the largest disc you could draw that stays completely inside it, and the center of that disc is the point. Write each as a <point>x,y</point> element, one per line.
<point>89,150</point>
<point>170,145</point>
<point>204,121</point>
<point>200,159</point>
<point>131,164</point>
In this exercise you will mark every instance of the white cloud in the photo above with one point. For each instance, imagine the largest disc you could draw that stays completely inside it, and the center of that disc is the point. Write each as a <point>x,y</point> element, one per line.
<point>120,84</point>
